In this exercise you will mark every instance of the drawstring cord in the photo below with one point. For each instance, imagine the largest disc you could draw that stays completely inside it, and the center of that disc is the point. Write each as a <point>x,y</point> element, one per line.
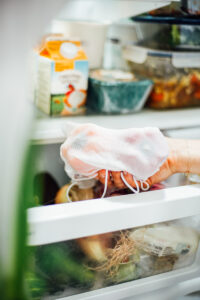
<point>75,181</point>
<point>129,186</point>
<point>68,190</point>
<point>144,184</point>
<point>90,175</point>
<point>83,179</point>
<point>106,185</point>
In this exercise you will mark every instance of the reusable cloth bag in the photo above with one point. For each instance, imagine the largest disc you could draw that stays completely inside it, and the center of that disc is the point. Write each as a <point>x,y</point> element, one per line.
<point>90,148</point>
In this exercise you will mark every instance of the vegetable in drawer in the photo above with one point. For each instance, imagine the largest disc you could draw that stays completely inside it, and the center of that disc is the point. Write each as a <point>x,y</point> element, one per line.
<point>62,266</point>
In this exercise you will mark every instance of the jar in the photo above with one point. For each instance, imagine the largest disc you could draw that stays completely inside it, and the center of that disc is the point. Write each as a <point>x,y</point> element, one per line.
<point>176,75</point>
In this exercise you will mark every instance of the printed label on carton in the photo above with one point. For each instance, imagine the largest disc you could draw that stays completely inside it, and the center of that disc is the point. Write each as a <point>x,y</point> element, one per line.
<point>62,78</point>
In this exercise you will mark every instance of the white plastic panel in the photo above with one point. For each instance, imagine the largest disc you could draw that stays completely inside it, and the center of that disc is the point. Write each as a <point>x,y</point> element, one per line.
<point>165,286</point>
<point>62,222</point>
<point>58,263</point>
<point>52,130</point>
<point>104,10</point>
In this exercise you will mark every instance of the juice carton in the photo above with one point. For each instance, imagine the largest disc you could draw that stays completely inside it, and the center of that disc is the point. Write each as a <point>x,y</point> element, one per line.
<point>62,76</point>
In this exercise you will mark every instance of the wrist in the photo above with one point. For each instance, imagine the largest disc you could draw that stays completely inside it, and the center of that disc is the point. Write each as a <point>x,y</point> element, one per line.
<point>179,155</point>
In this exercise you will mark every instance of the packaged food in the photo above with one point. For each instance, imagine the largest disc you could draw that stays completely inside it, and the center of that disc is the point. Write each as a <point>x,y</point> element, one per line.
<point>116,91</point>
<point>165,240</point>
<point>173,13</point>
<point>92,151</point>
<point>173,9</point>
<point>183,36</point>
<point>192,7</point>
<point>62,76</point>
<point>176,75</point>
<point>173,27</point>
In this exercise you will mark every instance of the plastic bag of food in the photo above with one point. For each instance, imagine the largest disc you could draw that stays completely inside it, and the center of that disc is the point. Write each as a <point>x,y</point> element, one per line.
<point>166,239</point>
<point>164,247</point>
<point>90,148</point>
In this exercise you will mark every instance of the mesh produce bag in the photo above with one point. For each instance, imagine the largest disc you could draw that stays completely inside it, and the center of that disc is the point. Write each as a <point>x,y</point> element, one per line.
<point>90,148</point>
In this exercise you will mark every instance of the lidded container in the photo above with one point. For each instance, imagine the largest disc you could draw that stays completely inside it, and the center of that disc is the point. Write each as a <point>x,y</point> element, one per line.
<point>176,75</point>
<point>192,7</point>
<point>171,27</point>
<point>116,91</point>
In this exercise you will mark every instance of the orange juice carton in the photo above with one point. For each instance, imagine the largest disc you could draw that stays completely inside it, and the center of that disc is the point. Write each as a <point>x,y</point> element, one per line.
<point>62,76</point>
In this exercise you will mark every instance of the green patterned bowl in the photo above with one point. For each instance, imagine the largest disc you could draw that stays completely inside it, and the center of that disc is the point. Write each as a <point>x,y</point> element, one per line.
<point>117,97</point>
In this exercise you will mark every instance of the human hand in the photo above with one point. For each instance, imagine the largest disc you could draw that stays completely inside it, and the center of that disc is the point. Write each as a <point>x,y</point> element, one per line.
<point>177,161</point>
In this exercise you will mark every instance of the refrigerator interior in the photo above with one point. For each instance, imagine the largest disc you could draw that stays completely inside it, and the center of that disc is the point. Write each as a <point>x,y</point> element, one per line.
<point>70,243</point>
<point>61,225</point>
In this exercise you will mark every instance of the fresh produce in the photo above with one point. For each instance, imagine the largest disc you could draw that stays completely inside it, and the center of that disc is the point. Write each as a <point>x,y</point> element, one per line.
<point>95,247</point>
<point>75,194</point>
<point>119,264</point>
<point>36,281</point>
<point>111,258</point>
<point>126,272</point>
<point>37,285</point>
<point>62,267</point>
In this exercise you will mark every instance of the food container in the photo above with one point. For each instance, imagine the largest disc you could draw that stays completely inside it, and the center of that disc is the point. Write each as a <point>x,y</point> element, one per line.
<point>92,35</point>
<point>176,75</point>
<point>61,78</point>
<point>173,28</point>
<point>184,36</point>
<point>192,7</point>
<point>173,36</point>
<point>115,91</point>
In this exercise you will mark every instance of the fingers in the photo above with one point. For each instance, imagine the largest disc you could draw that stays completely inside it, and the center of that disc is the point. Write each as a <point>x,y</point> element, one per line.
<point>129,178</point>
<point>163,173</point>
<point>102,177</point>
<point>114,178</point>
<point>118,182</point>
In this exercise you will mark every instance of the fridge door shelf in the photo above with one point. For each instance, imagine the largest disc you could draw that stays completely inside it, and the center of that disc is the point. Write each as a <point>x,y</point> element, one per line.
<point>48,130</point>
<point>56,223</point>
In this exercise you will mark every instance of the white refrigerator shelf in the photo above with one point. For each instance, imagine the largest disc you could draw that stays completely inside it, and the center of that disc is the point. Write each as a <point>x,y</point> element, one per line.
<point>49,130</point>
<point>56,223</point>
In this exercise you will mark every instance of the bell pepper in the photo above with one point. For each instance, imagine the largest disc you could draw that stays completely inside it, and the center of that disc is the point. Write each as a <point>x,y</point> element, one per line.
<point>157,97</point>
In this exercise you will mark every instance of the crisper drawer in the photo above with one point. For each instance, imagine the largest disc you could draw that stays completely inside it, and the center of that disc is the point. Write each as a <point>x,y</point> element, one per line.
<point>116,247</point>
